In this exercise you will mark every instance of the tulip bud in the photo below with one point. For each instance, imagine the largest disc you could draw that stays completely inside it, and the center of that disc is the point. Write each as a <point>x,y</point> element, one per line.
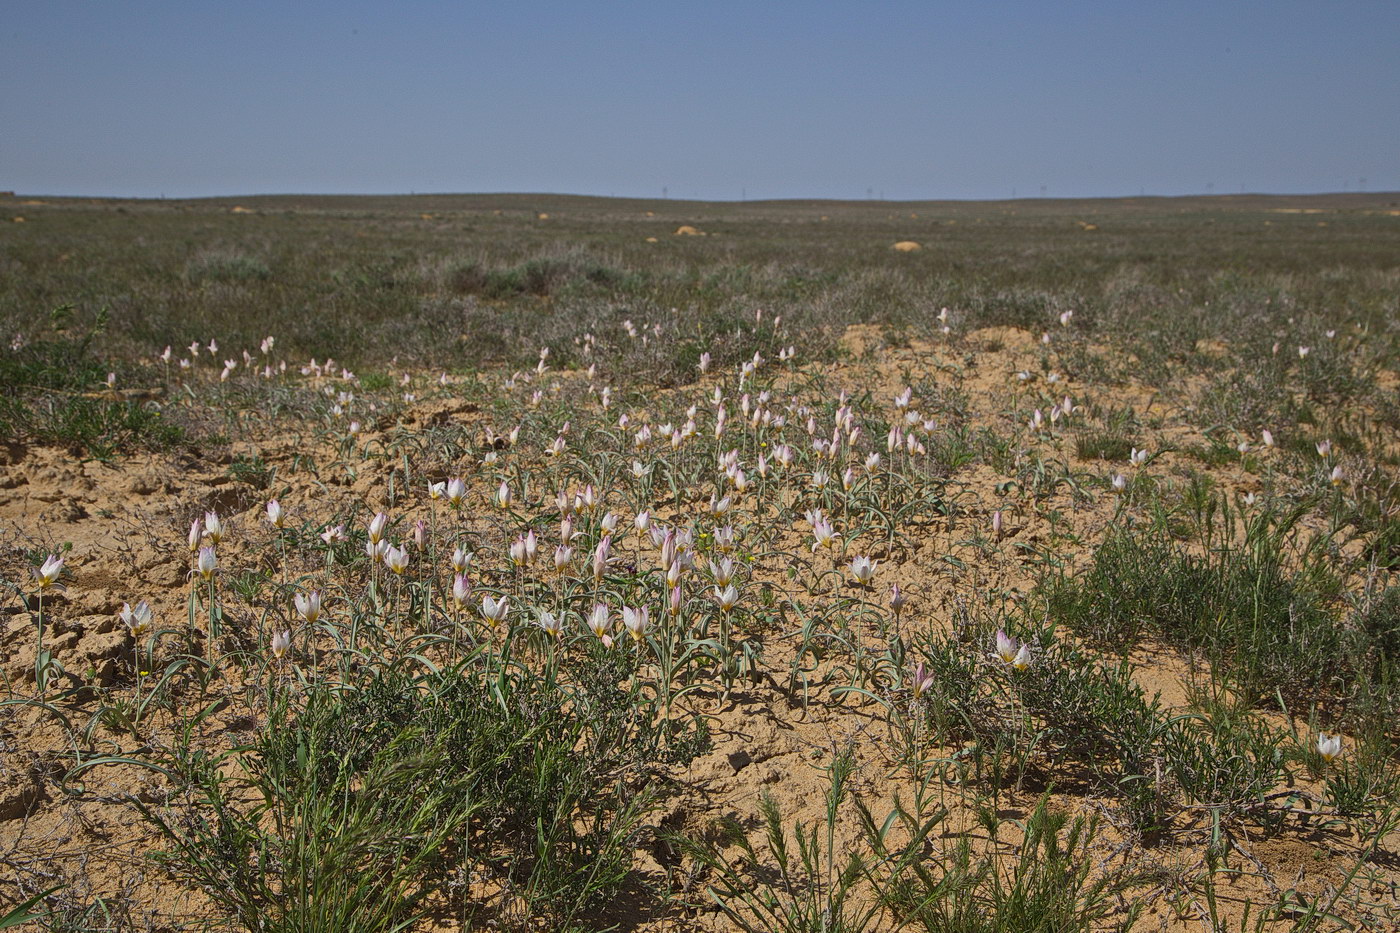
<point>281,642</point>
<point>461,590</point>
<point>600,557</point>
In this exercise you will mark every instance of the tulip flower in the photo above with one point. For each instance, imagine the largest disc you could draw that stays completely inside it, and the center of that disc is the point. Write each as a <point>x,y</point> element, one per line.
<point>723,571</point>
<point>637,621</point>
<point>48,574</point>
<point>461,590</point>
<point>550,624</point>
<point>138,620</point>
<point>823,534</point>
<point>516,552</point>
<point>208,562</point>
<point>1329,746</point>
<point>587,500</point>
<point>863,570</point>
<point>456,491</point>
<point>196,534</point>
<point>1022,660</point>
<point>495,610</point>
<point>376,527</point>
<point>1006,648</point>
<point>308,606</point>
<point>563,556</point>
<point>728,597</point>
<point>922,680</point>
<point>335,535</point>
<point>461,560</point>
<point>599,623</point>
<point>396,559</point>
<point>600,557</point>
<point>503,497</point>
<point>281,642</point>
<point>668,545</point>
<point>213,528</point>
<point>274,513</point>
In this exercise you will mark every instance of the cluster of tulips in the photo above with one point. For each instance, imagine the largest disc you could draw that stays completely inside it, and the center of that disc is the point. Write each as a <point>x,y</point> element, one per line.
<point>765,449</point>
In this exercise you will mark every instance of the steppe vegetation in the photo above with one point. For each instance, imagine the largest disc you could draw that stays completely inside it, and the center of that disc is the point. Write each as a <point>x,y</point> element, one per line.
<point>515,562</point>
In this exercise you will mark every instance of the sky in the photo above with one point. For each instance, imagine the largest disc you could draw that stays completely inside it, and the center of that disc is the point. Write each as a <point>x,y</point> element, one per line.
<point>705,99</point>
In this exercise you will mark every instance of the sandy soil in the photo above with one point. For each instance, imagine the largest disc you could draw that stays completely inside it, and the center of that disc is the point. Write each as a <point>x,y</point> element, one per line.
<point>127,521</point>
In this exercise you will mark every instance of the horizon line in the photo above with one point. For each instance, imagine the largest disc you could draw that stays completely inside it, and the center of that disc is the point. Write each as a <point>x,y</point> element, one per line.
<point>741,200</point>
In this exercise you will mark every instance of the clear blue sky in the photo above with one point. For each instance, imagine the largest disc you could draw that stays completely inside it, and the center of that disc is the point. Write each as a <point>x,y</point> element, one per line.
<point>707,98</point>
